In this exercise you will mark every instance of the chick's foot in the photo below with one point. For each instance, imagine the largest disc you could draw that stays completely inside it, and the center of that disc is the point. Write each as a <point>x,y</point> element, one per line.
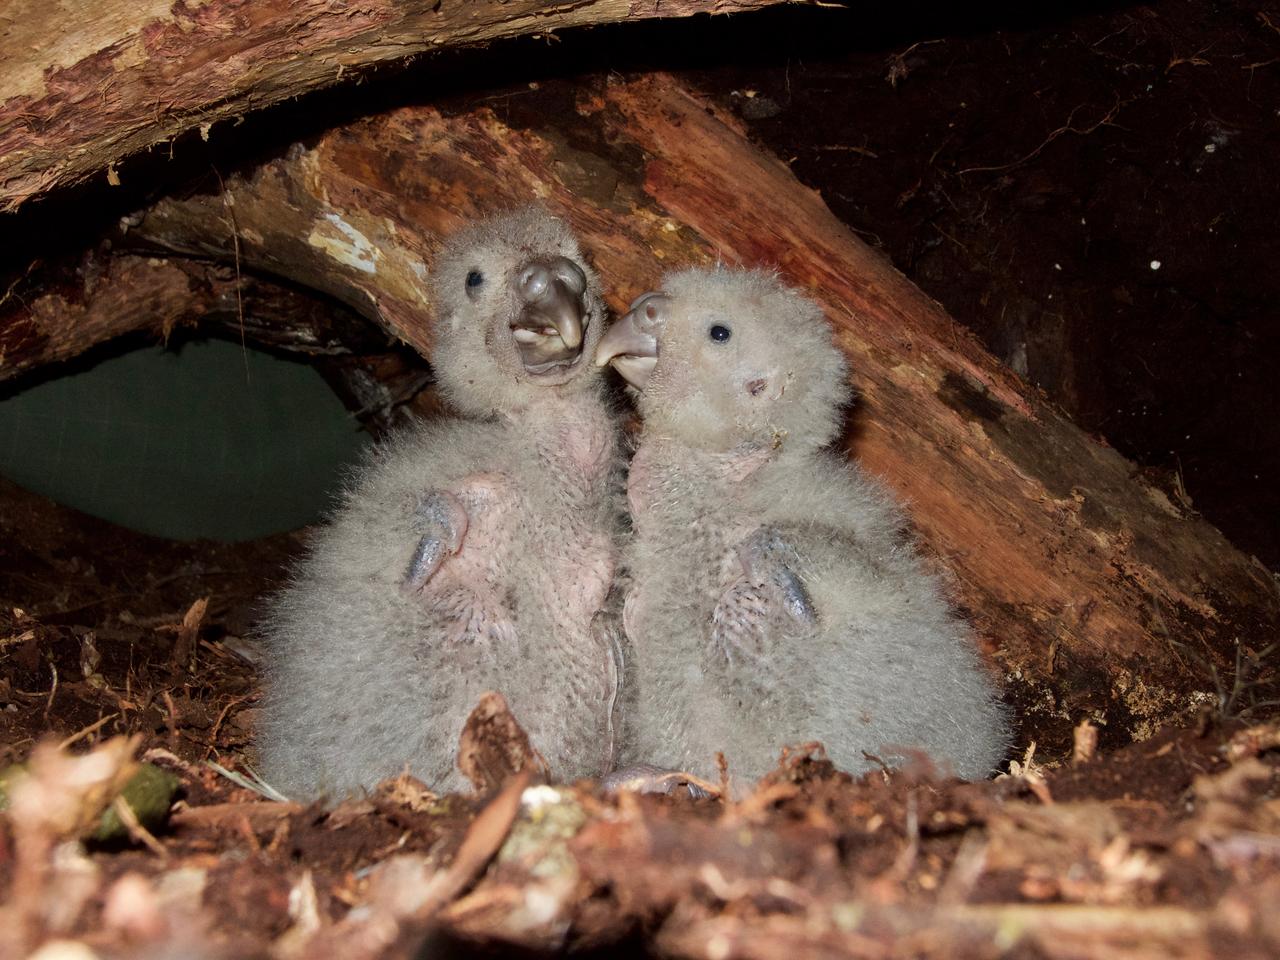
<point>767,597</point>
<point>445,522</point>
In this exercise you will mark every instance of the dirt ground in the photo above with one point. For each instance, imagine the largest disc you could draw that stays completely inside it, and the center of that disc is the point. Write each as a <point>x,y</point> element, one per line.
<point>1025,171</point>
<point>1165,848</point>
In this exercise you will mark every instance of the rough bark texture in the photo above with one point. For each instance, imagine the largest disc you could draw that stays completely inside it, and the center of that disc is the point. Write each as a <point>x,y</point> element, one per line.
<point>85,84</point>
<point>1099,597</point>
<point>109,296</point>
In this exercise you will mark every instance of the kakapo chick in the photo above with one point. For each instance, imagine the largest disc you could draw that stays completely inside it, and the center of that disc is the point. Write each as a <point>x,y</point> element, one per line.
<point>773,596</point>
<point>469,554</point>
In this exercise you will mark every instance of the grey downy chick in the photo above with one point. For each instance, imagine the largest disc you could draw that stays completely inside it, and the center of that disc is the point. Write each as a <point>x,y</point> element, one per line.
<point>468,554</point>
<point>773,595</point>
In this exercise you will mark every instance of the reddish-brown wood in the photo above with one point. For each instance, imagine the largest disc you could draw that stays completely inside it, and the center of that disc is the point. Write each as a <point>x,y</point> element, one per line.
<point>1095,593</point>
<point>1063,555</point>
<point>85,83</point>
<point>115,295</point>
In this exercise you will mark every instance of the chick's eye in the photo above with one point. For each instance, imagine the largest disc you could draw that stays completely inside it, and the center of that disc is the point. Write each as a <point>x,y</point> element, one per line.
<point>720,333</point>
<point>474,279</point>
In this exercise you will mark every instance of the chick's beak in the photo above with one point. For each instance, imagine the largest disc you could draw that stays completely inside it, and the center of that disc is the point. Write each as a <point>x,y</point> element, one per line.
<point>631,344</point>
<point>549,327</point>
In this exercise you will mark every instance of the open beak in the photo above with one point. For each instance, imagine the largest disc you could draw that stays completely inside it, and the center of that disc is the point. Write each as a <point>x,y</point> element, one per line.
<point>631,344</point>
<point>549,328</point>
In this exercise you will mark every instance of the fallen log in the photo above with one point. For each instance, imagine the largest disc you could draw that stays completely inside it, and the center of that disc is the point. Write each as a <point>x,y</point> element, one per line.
<point>1098,596</point>
<point>85,84</point>
<point>108,296</point>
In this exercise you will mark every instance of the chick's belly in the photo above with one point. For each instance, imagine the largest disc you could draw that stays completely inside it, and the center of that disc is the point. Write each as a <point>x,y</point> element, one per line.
<point>578,578</point>
<point>679,586</point>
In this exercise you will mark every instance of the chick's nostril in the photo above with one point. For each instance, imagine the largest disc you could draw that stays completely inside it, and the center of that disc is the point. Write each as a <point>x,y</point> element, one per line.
<point>534,282</point>
<point>649,312</point>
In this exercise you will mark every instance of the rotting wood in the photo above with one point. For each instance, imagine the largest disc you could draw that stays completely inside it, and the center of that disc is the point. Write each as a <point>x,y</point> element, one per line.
<point>229,815</point>
<point>84,85</point>
<point>109,296</point>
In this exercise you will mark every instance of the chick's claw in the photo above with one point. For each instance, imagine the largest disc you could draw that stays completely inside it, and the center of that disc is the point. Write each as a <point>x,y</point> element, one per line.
<point>759,602</point>
<point>764,556</point>
<point>739,627</point>
<point>445,520</point>
<point>650,778</point>
<point>795,598</point>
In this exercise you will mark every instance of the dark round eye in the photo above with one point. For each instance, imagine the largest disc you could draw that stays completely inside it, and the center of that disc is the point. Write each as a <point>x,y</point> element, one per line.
<point>474,279</point>
<point>720,334</point>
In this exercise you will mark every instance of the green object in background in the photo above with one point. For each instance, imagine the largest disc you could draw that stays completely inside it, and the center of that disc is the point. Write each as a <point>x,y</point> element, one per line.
<point>149,794</point>
<point>208,440</point>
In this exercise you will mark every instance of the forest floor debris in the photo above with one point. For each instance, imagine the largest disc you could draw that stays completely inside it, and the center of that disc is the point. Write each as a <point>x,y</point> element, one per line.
<point>1168,848</point>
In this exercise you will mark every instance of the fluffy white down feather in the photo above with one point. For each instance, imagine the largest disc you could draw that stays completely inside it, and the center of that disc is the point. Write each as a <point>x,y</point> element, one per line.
<point>365,678</point>
<point>732,444</point>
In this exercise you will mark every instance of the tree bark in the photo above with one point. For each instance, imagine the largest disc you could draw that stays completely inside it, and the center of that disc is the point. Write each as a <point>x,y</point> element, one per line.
<point>1097,595</point>
<point>109,296</point>
<point>84,83</point>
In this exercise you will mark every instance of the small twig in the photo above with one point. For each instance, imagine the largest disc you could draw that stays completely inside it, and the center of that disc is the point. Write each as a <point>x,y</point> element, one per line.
<point>885,770</point>
<point>183,658</point>
<point>483,839</point>
<point>9,293</point>
<point>159,753</point>
<point>173,721</point>
<point>1065,128</point>
<point>1164,923</point>
<point>230,814</point>
<point>849,148</point>
<point>250,781</point>
<point>907,858</point>
<point>1084,742</point>
<point>86,731</point>
<point>217,724</point>
<point>245,829</point>
<point>966,869</point>
<point>898,69</point>
<point>760,801</point>
<point>137,831</point>
<point>1195,60</point>
<point>53,691</point>
<point>229,203</point>
<point>151,586</point>
<point>17,638</point>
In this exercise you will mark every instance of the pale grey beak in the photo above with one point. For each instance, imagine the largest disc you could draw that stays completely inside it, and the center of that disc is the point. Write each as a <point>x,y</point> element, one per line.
<point>549,327</point>
<point>631,344</point>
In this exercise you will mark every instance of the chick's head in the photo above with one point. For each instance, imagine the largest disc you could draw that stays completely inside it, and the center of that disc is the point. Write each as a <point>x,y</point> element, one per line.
<point>518,313</point>
<point>725,357</point>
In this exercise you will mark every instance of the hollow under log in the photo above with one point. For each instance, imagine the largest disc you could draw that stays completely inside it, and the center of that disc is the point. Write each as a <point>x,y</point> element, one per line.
<point>1099,596</point>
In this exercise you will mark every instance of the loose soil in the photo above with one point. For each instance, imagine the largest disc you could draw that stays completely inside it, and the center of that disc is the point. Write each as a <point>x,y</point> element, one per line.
<point>1165,846</point>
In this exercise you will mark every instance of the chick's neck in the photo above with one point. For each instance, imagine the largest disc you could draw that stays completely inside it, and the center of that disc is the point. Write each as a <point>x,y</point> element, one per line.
<point>666,472</point>
<point>573,434</point>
